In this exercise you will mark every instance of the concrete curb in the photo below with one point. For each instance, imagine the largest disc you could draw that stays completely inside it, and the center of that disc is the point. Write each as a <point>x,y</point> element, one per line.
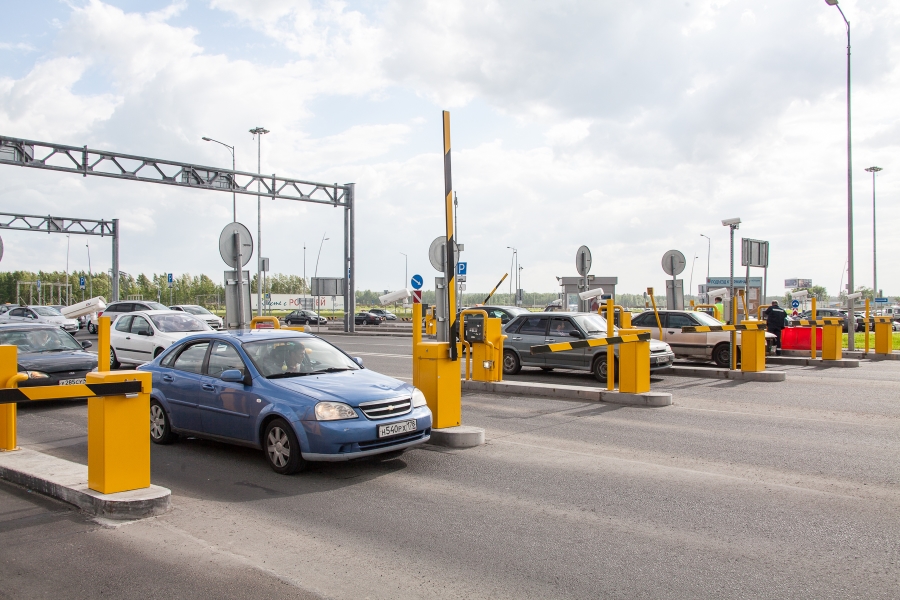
<point>710,373</point>
<point>571,392</point>
<point>813,362</point>
<point>67,481</point>
<point>461,436</point>
<point>855,354</point>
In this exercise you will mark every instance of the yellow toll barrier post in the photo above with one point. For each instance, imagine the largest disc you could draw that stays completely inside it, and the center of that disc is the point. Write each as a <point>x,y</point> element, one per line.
<point>8,371</point>
<point>634,363</point>
<point>884,335</point>
<point>416,339</point>
<point>485,349</point>
<point>832,340</point>
<point>734,344</point>
<point>867,325</point>
<point>753,347</point>
<point>610,352</point>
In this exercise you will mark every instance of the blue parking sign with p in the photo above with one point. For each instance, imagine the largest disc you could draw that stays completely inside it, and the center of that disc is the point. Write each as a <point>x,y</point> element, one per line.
<point>461,268</point>
<point>81,282</point>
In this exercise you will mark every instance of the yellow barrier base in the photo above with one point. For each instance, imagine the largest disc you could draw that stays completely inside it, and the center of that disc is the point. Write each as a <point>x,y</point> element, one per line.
<point>438,378</point>
<point>753,349</point>
<point>634,366</point>
<point>884,337</point>
<point>119,435</point>
<point>7,427</point>
<point>832,342</point>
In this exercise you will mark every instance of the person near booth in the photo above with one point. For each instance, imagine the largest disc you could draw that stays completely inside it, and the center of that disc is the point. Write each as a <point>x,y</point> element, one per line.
<point>775,318</point>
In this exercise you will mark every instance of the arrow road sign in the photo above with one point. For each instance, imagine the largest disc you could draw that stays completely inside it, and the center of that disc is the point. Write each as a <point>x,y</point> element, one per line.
<point>416,282</point>
<point>795,304</point>
<point>881,300</point>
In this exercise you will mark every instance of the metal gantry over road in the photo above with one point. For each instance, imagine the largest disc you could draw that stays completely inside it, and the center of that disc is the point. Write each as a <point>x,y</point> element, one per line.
<point>106,163</point>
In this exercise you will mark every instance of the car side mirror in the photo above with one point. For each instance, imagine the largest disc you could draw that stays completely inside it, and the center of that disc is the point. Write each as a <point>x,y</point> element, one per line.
<point>232,376</point>
<point>358,361</point>
<point>576,334</point>
<point>86,344</point>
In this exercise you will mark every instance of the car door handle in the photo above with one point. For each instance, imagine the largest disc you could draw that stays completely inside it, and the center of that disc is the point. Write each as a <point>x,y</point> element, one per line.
<point>208,387</point>
<point>550,340</point>
<point>516,338</point>
<point>672,332</point>
<point>127,337</point>
<point>168,378</point>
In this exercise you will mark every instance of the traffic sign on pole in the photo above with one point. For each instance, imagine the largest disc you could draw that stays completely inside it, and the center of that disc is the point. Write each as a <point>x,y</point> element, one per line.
<point>81,282</point>
<point>39,284</point>
<point>461,268</point>
<point>881,300</point>
<point>416,282</point>
<point>795,304</point>
<point>169,279</point>
<point>417,296</point>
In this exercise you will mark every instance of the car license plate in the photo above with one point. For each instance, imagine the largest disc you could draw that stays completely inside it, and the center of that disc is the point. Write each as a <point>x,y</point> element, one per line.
<point>392,429</point>
<point>71,381</point>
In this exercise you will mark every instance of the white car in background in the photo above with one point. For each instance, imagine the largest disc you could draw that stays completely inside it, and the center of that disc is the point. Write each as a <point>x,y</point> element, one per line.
<point>39,314</point>
<point>201,313</point>
<point>138,337</point>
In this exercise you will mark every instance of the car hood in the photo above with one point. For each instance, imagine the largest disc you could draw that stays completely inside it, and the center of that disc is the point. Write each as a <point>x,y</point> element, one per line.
<point>56,320</point>
<point>352,387</point>
<point>52,362</point>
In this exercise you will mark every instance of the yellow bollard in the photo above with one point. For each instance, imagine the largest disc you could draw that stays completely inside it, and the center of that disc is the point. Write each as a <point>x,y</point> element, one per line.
<point>610,353</point>
<point>103,358</point>
<point>867,325</point>
<point>439,379</point>
<point>118,438</point>
<point>753,348</point>
<point>832,341</point>
<point>8,370</point>
<point>416,340</point>
<point>884,335</point>
<point>634,364</point>
<point>734,344</point>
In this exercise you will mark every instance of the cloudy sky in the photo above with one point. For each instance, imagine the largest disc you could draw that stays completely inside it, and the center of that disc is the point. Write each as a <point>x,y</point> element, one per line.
<point>631,127</point>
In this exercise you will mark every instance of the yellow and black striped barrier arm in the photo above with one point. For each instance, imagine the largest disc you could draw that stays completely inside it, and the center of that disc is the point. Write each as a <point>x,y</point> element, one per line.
<point>608,341</point>
<point>819,322</point>
<point>65,392</point>
<point>880,319</point>
<point>709,328</point>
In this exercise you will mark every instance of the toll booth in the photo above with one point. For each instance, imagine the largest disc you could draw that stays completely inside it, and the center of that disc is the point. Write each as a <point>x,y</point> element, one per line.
<point>570,287</point>
<point>753,294</point>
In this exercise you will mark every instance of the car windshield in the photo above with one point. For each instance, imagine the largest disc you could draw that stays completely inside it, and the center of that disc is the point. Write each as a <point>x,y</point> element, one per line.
<point>178,322</point>
<point>196,310</point>
<point>295,357</point>
<point>706,319</point>
<point>50,339</point>
<point>591,323</point>
<point>46,311</point>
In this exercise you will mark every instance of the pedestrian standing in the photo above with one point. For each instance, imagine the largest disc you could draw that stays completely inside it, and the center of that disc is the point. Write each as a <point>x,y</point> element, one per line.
<point>720,309</point>
<point>775,317</point>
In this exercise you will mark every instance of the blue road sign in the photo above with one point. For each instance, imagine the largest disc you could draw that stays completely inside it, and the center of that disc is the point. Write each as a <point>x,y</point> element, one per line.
<point>795,304</point>
<point>416,282</point>
<point>881,300</point>
<point>81,282</point>
<point>39,284</point>
<point>461,268</point>
<point>169,278</point>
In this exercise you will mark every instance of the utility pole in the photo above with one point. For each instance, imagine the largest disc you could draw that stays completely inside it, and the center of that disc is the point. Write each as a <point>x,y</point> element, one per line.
<point>258,132</point>
<point>68,244</point>
<point>90,273</point>
<point>874,170</point>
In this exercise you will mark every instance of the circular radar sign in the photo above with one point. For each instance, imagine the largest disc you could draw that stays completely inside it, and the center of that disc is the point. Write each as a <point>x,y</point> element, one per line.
<point>226,244</point>
<point>583,261</point>
<point>673,262</point>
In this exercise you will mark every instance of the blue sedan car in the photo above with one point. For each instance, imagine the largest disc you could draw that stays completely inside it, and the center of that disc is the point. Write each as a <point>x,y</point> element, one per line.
<point>291,394</point>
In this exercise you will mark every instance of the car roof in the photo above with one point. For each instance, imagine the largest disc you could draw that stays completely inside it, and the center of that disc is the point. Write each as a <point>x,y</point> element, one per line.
<point>556,313</point>
<point>29,326</point>
<point>155,312</point>
<point>253,335</point>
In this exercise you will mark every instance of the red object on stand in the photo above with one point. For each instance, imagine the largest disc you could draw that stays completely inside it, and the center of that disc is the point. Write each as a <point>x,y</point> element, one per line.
<point>797,338</point>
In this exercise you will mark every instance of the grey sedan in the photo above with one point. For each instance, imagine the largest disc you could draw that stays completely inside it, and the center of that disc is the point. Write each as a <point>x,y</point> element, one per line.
<point>537,329</point>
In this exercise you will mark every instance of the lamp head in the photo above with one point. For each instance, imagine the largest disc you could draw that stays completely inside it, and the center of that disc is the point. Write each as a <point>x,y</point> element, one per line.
<point>206,139</point>
<point>831,2</point>
<point>874,169</point>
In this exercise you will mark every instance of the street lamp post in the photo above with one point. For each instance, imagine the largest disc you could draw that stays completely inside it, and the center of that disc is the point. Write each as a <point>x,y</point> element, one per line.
<point>514,259</point>
<point>851,345</point>
<point>874,170</point>
<point>405,269</point>
<point>732,225</point>
<point>259,132</point>
<point>90,273</point>
<point>68,243</point>
<point>233,198</point>
<point>708,248</point>
<point>317,274</point>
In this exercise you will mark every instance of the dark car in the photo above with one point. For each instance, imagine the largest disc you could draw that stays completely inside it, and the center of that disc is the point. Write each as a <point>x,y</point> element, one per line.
<point>367,318</point>
<point>388,315</point>
<point>822,313</point>
<point>48,355</point>
<point>290,394</point>
<point>304,317</point>
<point>504,313</point>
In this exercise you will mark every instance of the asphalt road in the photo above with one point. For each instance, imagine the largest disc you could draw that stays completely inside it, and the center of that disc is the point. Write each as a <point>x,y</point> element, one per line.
<point>739,490</point>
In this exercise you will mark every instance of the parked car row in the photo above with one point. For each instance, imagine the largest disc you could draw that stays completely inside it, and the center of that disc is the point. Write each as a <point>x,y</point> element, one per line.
<point>39,314</point>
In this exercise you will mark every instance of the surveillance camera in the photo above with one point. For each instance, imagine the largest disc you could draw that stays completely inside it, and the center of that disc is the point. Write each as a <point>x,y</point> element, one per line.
<point>799,295</point>
<point>721,292</point>
<point>731,222</point>
<point>394,296</point>
<point>591,294</point>
<point>854,296</point>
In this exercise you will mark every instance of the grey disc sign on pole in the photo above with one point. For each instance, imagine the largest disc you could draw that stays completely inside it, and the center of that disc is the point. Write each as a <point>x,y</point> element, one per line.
<point>673,262</point>
<point>436,253</point>
<point>1,248</point>
<point>226,244</point>
<point>583,261</point>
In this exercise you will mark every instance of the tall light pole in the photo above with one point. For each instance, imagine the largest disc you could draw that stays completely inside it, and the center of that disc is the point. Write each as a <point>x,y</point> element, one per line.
<point>233,199</point>
<point>874,170</point>
<point>514,259</point>
<point>519,285</point>
<point>851,319</point>
<point>304,267</point>
<point>258,132</point>
<point>90,273</point>
<point>732,224</point>
<point>691,284</point>
<point>708,248</point>
<point>68,243</point>
<point>405,269</point>
<point>317,272</point>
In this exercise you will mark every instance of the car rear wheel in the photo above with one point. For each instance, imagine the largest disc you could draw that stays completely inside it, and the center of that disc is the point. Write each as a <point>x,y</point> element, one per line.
<point>511,364</point>
<point>113,361</point>
<point>599,368</point>
<point>282,448</point>
<point>721,355</point>
<point>160,428</point>
<point>92,328</point>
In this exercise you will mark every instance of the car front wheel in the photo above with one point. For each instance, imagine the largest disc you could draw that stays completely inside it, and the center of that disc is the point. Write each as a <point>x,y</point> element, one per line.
<point>91,328</point>
<point>600,369</point>
<point>721,355</point>
<point>282,448</point>
<point>113,361</point>
<point>160,428</point>
<point>511,364</point>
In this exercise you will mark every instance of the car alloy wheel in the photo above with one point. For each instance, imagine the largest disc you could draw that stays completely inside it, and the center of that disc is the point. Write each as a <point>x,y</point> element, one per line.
<point>279,447</point>
<point>113,361</point>
<point>511,364</point>
<point>282,448</point>
<point>160,429</point>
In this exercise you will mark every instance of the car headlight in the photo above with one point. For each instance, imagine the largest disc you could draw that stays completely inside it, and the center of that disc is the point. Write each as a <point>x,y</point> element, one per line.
<point>668,348</point>
<point>35,375</point>
<point>334,411</point>
<point>418,398</point>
